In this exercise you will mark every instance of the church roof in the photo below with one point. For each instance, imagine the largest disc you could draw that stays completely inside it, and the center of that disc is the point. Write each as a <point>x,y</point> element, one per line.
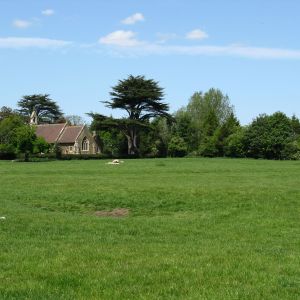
<point>70,134</point>
<point>50,132</point>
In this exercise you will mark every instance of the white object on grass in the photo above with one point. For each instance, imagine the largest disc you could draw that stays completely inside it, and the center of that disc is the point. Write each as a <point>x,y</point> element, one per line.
<point>115,162</point>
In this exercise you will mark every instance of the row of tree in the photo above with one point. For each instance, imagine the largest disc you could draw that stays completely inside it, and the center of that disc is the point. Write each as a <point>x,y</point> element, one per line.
<point>207,126</point>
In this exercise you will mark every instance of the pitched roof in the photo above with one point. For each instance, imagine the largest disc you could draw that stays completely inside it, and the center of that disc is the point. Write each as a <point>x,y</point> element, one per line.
<point>50,132</point>
<point>70,134</point>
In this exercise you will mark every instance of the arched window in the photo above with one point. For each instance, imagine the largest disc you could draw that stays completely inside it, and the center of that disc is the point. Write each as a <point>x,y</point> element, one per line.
<point>85,144</point>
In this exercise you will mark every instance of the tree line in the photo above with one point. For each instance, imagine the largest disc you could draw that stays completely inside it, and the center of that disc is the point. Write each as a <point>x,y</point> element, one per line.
<point>207,126</point>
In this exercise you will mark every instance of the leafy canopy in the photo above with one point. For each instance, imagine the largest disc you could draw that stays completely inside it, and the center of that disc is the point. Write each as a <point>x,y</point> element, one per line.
<point>268,136</point>
<point>139,97</point>
<point>142,100</point>
<point>46,109</point>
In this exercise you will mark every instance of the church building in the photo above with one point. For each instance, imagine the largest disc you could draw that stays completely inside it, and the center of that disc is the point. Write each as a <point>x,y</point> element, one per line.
<point>71,139</point>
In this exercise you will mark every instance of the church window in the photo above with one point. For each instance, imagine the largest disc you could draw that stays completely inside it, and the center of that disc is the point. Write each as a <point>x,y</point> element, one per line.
<point>85,144</point>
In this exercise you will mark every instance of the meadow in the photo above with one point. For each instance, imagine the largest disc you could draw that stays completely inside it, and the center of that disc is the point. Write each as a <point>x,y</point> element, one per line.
<point>195,229</point>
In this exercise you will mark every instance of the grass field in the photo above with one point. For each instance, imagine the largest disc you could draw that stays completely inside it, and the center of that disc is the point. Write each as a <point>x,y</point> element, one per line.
<point>196,229</point>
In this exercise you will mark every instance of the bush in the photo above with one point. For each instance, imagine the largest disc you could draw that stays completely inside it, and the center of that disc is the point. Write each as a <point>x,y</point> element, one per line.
<point>7,152</point>
<point>234,146</point>
<point>57,151</point>
<point>40,145</point>
<point>209,147</point>
<point>291,151</point>
<point>177,147</point>
<point>269,136</point>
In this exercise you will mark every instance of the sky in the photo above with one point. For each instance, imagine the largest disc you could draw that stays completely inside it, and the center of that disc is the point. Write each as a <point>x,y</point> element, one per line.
<point>77,50</point>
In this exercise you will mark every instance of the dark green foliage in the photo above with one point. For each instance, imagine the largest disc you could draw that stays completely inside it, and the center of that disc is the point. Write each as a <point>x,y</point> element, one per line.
<point>295,122</point>
<point>185,128</point>
<point>268,136</point>
<point>46,109</point>
<point>206,123</point>
<point>208,147</point>
<point>40,145</point>
<point>142,100</point>
<point>6,112</point>
<point>7,151</point>
<point>177,147</point>
<point>11,129</point>
<point>207,126</point>
<point>208,112</point>
<point>57,151</point>
<point>235,144</point>
<point>24,140</point>
<point>291,151</point>
<point>8,128</point>
<point>83,156</point>
<point>222,133</point>
<point>161,135</point>
<point>113,143</point>
<point>125,126</point>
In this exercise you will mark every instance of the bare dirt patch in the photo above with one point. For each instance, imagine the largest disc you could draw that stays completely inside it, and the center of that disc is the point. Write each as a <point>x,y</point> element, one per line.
<point>115,213</point>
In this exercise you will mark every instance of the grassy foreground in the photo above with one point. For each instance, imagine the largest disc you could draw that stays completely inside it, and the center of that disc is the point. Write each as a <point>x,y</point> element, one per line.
<point>196,229</point>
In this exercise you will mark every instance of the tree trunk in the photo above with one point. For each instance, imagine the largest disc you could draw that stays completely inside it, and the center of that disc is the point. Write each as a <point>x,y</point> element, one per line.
<point>132,142</point>
<point>26,156</point>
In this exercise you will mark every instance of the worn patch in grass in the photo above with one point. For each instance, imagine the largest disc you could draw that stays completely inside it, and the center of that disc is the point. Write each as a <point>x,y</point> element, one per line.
<point>115,213</point>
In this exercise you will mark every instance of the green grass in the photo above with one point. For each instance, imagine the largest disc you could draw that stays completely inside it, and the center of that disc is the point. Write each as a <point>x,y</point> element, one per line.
<point>197,229</point>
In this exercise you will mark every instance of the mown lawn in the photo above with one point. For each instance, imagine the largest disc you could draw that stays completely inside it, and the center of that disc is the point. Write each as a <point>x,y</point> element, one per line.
<point>196,229</point>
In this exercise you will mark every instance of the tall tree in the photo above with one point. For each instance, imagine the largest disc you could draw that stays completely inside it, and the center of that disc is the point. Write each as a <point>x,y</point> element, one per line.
<point>6,112</point>
<point>74,120</point>
<point>24,140</point>
<point>8,127</point>
<point>296,125</point>
<point>209,110</point>
<point>141,99</point>
<point>46,109</point>
<point>184,127</point>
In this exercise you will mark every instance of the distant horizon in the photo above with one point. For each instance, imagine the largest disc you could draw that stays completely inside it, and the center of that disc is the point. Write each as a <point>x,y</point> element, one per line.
<point>77,52</point>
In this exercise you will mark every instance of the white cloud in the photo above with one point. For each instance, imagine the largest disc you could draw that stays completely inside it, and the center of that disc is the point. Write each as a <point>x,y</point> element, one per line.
<point>48,12</point>
<point>133,19</point>
<point>208,50</point>
<point>20,42</point>
<point>121,38</point>
<point>196,34</point>
<point>22,24</point>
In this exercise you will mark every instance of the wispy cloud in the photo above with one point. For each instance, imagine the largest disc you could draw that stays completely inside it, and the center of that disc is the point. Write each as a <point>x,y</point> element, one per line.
<point>21,24</point>
<point>236,50</point>
<point>20,42</point>
<point>121,38</point>
<point>164,37</point>
<point>142,49</point>
<point>138,17</point>
<point>196,34</point>
<point>48,12</point>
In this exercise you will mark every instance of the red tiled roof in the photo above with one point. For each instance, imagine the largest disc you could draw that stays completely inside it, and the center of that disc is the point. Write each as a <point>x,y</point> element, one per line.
<point>50,132</point>
<point>70,134</point>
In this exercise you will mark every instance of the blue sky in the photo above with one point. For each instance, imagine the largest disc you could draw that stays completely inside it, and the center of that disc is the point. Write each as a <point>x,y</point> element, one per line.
<point>77,50</point>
